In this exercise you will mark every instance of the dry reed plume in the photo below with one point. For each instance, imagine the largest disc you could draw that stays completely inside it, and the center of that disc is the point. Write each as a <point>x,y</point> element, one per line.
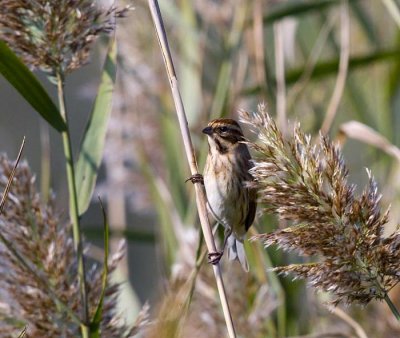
<point>307,185</point>
<point>54,35</point>
<point>32,294</point>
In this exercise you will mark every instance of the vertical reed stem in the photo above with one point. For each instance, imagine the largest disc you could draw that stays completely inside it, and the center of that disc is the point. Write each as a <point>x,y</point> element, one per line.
<point>73,205</point>
<point>199,189</point>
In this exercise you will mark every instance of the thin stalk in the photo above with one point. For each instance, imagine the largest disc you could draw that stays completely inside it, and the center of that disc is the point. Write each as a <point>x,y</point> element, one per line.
<point>392,307</point>
<point>280,77</point>
<point>199,189</point>
<point>73,205</point>
<point>350,321</point>
<point>8,186</point>
<point>343,69</point>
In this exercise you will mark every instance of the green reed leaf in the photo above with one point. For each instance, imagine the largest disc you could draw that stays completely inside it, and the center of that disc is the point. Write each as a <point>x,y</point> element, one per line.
<point>296,8</point>
<point>92,146</point>
<point>95,323</point>
<point>26,83</point>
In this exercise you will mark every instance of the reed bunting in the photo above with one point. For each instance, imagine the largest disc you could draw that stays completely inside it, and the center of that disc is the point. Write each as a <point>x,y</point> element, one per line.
<point>230,203</point>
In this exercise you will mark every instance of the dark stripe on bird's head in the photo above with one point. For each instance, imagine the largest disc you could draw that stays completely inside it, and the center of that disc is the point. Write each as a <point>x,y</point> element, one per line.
<point>222,149</point>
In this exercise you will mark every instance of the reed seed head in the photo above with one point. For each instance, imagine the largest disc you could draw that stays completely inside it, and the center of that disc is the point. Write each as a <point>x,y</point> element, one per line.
<point>306,184</point>
<point>54,35</point>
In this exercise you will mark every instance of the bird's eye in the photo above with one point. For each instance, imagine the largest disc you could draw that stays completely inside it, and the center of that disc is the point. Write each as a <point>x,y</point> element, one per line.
<point>223,129</point>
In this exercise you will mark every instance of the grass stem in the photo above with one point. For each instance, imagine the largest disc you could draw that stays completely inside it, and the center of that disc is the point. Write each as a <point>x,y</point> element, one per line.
<point>73,205</point>
<point>199,189</point>
<point>392,307</point>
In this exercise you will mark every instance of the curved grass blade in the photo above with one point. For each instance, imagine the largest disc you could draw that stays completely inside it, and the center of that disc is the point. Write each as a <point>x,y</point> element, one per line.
<point>296,8</point>
<point>91,152</point>
<point>26,83</point>
<point>95,323</point>
<point>328,68</point>
<point>363,133</point>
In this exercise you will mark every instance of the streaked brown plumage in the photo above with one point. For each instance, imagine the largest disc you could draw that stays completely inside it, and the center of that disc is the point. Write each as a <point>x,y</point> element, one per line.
<point>225,174</point>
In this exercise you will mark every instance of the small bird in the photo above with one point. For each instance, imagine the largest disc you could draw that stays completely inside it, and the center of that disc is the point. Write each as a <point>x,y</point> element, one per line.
<point>230,202</point>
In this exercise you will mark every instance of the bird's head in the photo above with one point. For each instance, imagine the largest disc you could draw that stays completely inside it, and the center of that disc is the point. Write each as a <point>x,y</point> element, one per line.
<point>224,135</point>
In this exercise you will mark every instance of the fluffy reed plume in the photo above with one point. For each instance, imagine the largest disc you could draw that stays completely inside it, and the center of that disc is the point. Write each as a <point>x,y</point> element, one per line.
<point>32,292</point>
<point>54,35</point>
<point>307,185</point>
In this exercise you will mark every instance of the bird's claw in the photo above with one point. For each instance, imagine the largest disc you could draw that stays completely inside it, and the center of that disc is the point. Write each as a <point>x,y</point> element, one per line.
<point>215,257</point>
<point>196,178</point>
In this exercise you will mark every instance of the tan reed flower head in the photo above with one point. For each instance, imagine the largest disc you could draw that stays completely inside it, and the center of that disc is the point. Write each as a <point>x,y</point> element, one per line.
<point>307,185</point>
<point>54,35</point>
<point>45,243</point>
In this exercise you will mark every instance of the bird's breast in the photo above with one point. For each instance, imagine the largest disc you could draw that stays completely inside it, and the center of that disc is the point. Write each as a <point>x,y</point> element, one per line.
<point>224,192</point>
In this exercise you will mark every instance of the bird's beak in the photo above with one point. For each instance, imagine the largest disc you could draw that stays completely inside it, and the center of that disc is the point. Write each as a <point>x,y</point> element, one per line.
<point>207,130</point>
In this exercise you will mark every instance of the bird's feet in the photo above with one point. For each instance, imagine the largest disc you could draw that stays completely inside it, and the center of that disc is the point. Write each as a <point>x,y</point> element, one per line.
<point>196,178</point>
<point>215,257</point>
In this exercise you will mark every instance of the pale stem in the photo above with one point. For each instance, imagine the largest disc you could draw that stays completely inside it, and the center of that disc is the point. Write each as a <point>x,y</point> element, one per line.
<point>199,190</point>
<point>350,321</point>
<point>343,68</point>
<point>280,77</point>
<point>259,48</point>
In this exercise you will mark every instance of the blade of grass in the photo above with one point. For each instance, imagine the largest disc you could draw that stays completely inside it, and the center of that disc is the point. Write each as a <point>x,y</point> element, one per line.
<point>165,214</point>
<point>225,71</point>
<point>26,83</point>
<point>297,8</point>
<point>366,22</point>
<point>329,68</point>
<point>393,10</point>
<point>280,77</point>
<point>361,132</point>
<point>170,222</point>
<point>357,95</point>
<point>190,65</point>
<point>95,323</point>
<point>91,152</point>
<point>313,57</point>
<point>174,168</point>
<point>343,68</point>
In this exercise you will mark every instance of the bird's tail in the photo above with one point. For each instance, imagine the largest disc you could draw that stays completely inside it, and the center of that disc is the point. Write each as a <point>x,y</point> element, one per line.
<point>236,251</point>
